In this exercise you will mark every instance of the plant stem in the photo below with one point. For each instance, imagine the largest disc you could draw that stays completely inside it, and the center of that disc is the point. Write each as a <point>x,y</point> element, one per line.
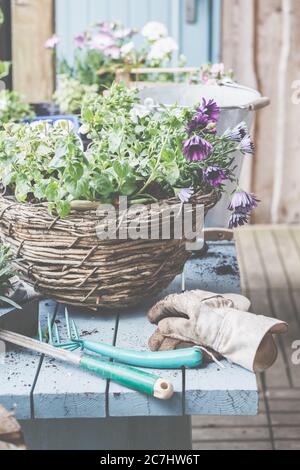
<point>150,179</point>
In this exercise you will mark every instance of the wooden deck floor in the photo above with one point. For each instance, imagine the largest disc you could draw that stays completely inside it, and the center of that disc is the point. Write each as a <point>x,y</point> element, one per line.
<point>269,259</point>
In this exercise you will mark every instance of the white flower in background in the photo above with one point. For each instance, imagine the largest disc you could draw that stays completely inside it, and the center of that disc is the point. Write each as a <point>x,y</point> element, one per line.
<point>127,49</point>
<point>163,48</point>
<point>154,31</point>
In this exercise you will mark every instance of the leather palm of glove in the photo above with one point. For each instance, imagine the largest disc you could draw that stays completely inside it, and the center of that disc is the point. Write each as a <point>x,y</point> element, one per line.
<point>220,324</point>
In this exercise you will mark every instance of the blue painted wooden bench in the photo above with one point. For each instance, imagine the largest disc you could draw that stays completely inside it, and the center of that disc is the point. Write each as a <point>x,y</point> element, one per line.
<point>62,408</point>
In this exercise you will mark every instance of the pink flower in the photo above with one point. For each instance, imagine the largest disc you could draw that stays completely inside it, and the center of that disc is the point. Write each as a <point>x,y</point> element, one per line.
<point>218,69</point>
<point>52,42</point>
<point>102,41</point>
<point>113,51</point>
<point>80,40</point>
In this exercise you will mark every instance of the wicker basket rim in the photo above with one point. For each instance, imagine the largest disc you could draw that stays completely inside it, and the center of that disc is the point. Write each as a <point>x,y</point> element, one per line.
<point>92,206</point>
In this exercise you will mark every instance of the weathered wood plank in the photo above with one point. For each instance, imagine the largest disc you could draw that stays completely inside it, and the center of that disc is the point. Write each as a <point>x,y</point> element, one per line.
<point>63,391</point>
<point>151,433</point>
<point>287,445</point>
<point>287,433</point>
<point>217,271</point>
<point>286,419</point>
<point>33,71</point>
<point>233,434</point>
<point>285,406</point>
<point>243,445</point>
<point>281,300</point>
<point>259,293</point>
<point>18,375</point>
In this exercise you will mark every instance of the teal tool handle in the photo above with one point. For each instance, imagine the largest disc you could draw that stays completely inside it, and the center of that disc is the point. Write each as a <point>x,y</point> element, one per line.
<point>129,377</point>
<point>177,359</point>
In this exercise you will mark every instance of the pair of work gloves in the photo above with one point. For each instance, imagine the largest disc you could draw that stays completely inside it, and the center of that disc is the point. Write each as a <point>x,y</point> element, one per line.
<point>220,324</point>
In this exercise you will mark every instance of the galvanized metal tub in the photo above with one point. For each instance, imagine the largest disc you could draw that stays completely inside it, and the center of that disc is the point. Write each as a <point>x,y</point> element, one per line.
<point>237,103</point>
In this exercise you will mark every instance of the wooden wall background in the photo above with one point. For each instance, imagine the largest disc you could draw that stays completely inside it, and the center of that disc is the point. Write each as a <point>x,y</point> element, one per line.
<point>33,70</point>
<point>261,40</point>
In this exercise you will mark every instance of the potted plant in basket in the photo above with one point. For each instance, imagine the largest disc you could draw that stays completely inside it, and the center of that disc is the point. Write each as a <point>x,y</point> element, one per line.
<point>54,188</point>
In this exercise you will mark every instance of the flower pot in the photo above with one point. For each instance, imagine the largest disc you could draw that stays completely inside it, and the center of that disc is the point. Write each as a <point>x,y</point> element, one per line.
<point>237,104</point>
<point>23,321</point>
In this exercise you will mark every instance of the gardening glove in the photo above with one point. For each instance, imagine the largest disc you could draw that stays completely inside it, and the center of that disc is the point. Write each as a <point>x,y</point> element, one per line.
<point>241,337</point>
<point>158,342</point>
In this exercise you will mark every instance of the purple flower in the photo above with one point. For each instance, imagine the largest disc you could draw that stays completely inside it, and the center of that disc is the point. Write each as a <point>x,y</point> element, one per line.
<point>196,148</point>
<point>210,109</point>
<point>102,41</point>
<point>214,176</point>
<point>243,202</point>
<point>238,133</point>
<point>246,145</point>
<point>80,40</point>
<point>185,194</point>
<point>199,121</point>
<point>238,219</point>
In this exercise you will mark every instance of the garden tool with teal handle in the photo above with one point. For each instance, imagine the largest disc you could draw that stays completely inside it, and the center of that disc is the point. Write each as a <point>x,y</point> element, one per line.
<point>130,377</point>
<point>191,357</point>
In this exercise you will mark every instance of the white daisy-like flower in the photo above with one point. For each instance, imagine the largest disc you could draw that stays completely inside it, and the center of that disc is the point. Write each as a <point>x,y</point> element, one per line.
<point>162,48</point>
<point>154,31</point>
<point>84,129</point>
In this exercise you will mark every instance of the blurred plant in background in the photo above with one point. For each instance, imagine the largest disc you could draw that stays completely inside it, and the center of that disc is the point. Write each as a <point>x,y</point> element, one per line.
<point>105,52</point>
<point>71,93</point>
<point>212,74</point>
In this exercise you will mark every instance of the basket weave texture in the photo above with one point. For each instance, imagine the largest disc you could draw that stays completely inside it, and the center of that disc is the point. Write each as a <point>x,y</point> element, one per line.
<point>64,259</point>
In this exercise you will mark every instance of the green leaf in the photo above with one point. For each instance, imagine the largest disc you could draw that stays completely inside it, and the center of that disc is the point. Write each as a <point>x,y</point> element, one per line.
<point>172,173</point>
<point>23,188</point>
<point>4,69</point>
<point>104,185</point>
<point>63,208</point>
<point>129,187</point>
<point>115,140</point>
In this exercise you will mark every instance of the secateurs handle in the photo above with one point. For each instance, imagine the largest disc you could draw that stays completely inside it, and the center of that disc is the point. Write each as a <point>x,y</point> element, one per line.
<point>129,377</point>
<point>191,357</point>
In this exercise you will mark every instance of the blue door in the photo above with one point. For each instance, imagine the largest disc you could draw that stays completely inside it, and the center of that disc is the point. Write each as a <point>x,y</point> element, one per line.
<point>195,24</point>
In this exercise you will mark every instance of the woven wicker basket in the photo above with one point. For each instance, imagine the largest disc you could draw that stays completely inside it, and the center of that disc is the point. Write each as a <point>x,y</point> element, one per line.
<point>65,260</point>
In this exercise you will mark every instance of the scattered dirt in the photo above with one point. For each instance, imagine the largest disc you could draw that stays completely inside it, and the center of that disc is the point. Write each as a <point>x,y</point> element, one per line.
<point>225,270</point>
